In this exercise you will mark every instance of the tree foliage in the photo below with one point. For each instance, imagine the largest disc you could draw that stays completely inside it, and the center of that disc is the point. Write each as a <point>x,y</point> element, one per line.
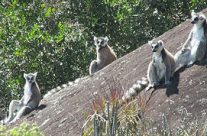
<point>54,38</point>
<point>33,37</point>
<point>130,23</point>
<point>24,129</point>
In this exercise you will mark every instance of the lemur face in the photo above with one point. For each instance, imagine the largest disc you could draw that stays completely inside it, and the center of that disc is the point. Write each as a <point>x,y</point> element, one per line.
<point>197,18</point>
<point>101,42</point>
<point>157,46</point>
<point>31,77</point>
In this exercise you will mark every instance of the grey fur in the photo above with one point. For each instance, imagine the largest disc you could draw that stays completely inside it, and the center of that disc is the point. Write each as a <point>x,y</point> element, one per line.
<point>105,55</point>
<point>29,101</point>
<point>161,67</point>
<point>135,89</point>
<point>194,48</point>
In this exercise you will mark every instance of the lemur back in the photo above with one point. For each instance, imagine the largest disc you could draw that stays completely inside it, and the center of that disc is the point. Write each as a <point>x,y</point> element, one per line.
<point>105,55</point>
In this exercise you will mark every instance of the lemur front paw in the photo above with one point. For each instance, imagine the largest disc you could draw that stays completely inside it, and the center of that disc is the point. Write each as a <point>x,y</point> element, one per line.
<point>148,88</point>
<point>13,121</point>
<point>190,64</point>
<point>183,50</point>
<point>2,122</point>
<point>152,85</point>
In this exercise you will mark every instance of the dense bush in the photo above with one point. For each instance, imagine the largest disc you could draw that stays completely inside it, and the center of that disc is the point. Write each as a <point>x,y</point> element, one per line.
<point>54,38</point>
<point>130,23</point>
<point>34,38</point>
<point>23,130</point>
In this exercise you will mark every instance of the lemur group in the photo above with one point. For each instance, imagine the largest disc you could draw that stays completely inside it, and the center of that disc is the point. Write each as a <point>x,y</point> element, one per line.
<point>160,71</point>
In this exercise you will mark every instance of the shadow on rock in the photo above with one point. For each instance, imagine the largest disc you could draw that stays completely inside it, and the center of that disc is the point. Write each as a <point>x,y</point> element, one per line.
<point>41,107</point>
<point>173,88</point>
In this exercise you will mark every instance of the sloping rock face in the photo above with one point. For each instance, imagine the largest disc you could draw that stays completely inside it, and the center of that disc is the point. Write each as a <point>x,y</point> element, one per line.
<point>64,111</point>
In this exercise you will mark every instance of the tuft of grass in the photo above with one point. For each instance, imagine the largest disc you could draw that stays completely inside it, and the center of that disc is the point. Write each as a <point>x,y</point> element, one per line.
<point>111,117</point>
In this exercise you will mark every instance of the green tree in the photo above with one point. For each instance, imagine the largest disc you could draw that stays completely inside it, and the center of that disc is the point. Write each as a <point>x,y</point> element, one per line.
<point>34,37</point>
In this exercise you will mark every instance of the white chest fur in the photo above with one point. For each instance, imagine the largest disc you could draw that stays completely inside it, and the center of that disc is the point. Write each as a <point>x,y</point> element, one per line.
<point>157,57</point>
<point>159,64</point>
<point>198,33</point>
<point>28,89</point>
<point>27,92</point>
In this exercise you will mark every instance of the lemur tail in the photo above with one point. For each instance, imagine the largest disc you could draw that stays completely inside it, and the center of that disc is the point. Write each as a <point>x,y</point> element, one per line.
<point>57,89</point>
<point>135,89</point>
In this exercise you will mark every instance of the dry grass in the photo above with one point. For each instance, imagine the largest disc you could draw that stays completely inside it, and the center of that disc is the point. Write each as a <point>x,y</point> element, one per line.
<point>110,117</point>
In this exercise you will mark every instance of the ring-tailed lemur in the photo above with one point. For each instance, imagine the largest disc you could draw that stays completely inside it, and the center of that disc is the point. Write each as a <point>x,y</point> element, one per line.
<point>162,67</point>
<point>194,48</point>
<point>28,102</point>
<point>105,54</point>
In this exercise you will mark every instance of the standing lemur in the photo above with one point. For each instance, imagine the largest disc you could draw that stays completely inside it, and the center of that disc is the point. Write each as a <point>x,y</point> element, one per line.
<point>194,48</point>
<point>162,67</point>
<point>105,54</point>
<point>28,102</point>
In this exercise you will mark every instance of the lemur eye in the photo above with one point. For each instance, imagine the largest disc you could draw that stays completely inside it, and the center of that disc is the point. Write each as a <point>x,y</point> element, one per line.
<point>102,42</point>
<point>156,46</point>
<point>201,18</point>
<point>196,18</point>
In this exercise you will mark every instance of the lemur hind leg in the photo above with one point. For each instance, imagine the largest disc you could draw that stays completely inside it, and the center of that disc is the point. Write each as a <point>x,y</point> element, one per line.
<point>23,111</point>
<point>93,67</point>
<point>14,107</point>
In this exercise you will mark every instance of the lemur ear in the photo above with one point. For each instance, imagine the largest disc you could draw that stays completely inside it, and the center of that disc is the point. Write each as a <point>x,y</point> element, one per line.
<point>192,12</point>
<point>94,38</point>
<point>202,16</point>
<point>201,13</point>
<point>25,75</point>
<point>150,42</point>
<point>35,74</point>
<point>160,42</point>
<point>106,38</point>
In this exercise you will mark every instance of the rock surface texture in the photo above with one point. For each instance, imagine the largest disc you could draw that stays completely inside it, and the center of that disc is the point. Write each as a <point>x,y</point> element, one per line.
<point>64,111</point>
